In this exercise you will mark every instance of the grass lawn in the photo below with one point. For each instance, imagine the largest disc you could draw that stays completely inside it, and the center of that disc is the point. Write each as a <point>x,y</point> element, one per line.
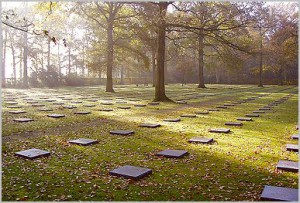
<point>235,167</point>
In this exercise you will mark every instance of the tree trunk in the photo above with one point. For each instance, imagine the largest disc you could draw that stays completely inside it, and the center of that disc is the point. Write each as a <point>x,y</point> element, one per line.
<point>260,84</point>
<point>83,61</point>
<point>280,76</point>
<point>110,56</point>
<point>4,59</point>
<point>217,76</point>
<point>25,69</point>
<point>21,59</point>
<point>160,94</point>
<point>153,68</point>
<point>200,58</point>
<point>13,52</point>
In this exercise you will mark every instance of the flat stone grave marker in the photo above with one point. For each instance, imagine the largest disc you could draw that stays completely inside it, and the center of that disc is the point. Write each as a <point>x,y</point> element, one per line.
<point>56,115</point>
<point>120,97</point>
<point>222,107</point>
<point>172,120</point>
<point>14,107</point>
<point>69,107</point>
<point>131,172</point>
<point>106,110</point>
<point>37,105</point>
<point>83,141</point>
<point>258,111</point>
<point>202,140</point>
<point>32,153</point>
<point>237,102</point>
<point>295,137</point>
<point>234,123</point>
<point>82,112</point>
<point>244,119</point>
<point>17,112</point>
<point>252,115</point>
<point>11,103</point>
<point>149,125</point>
<point>219,130</point>
<point>44,97</point>
<point>23,120</point>
<point>106,103</point>
<point>213,110</point>
<point>89,105</point>
<point>66,98</point>
<point>264,109</point>
<point>124,107</point>
<point>202,112</point>
<point>121,102</point>
<point>292,147</point>
<point>82,98</point>
<point>45,109</point>
<point>32,102</point>
<point>50,100</point>
<point>188,116</point>
<point>134,100</point>
<point>153,103</point>
<point>58,103</point>
<point>121,132</point>
<point>228,105</point>
<point>28,99</point>
<point>181,102</point>
<point>60,97</point>
<point>76,102</point>
<point>92,100</point>
<point>170,153</point>
<point>290,166</point>
<point>140,105</point>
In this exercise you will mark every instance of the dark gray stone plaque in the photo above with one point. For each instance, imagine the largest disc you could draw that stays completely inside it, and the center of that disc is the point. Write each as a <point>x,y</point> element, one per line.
<point>16,112</point>
<point>202,112</point>
<point>219,130</point>
<point>244,119</point>
<point>76,102</point>
<point>292,147</point>
<point>264,109</point>
<point>23,120</point>
<point>56,115</point>
<point>11,103</point>
<point>45,109</point>
<point>252,115</point>
<point>234,123</point>
<point>188,116</point>
<point>32,153</point>
<point>170,153</point>
<point>124,107</point>
<point>131,172</point>
<point>69,107</point>
<point>258,111</point>
<point>82,112</point>
<point>58,103</point>
<point>213,110</point>
<point>222,107</point>
<point>172,120</point>
<point>140,105</point>
<point>121,132</point>
<point>14,107</point>
<point>89,105</point>
<point>38,105</point>
<point>202,140</point>
<point>295,137</point>
<point>273,193</point>
<point>107,103</point>
<point>153,103</point>
<point>149,125</point>
<point>291,166</point>
<point>107,110</point>
<point>83,141</point>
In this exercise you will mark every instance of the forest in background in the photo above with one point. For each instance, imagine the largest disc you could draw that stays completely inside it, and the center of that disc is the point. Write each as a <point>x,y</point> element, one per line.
<point>50,44</point>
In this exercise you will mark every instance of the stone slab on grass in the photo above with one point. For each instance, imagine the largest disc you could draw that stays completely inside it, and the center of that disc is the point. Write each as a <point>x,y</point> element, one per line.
<point>32,153</point>
<point>121,132</point>
<point>17,112</point>
<point>285,165</point>
<point>170,153</point>
<point>22,120</point>
<point>83,141</point>
<point>292,147</point>
<point>252,115</point>
<point>172,120</point>
<point>131,172</point>
<point>259,112</point>
<point>219,130</point>
<point>149,125</point>
<point>188,116</point>
<point>56,115</point>
<point>124,107</point>
<point>106,110</point>
<point>202,112</point>
<point>234,123</point>
<point>202,140</point>
<point>244,119</point>
<point>295,137</point>
<point>82,112</point>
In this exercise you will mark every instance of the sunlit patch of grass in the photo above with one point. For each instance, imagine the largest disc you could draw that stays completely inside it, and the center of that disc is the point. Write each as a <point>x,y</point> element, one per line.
<point>235,167</point>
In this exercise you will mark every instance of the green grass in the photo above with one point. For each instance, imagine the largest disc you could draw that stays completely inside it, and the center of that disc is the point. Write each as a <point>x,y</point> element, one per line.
<point>235,167</point>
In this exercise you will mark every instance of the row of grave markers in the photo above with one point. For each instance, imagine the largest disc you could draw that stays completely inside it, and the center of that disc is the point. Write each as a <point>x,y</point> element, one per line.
<point>274,193</point>
<point>139,172</point>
